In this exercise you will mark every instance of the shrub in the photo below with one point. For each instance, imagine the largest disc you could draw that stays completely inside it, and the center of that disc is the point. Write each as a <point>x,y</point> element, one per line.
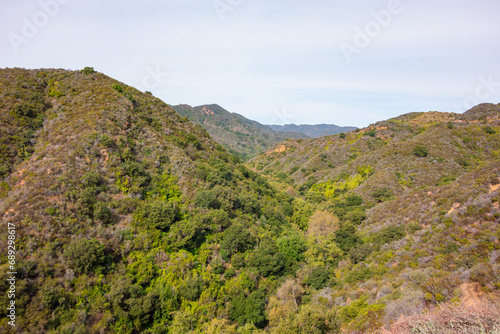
<point>370,133</point>
<point>237,239</point>
<point>207,199</point>
<point>85,256</point>
<point>319,277</point>
<point>489,130</point>
<point>389,234</point>
<point>158,214</point>
<point>103,213</point>
<point>342,135</point>
<point>243,309</point>
<point>88,70</point>
<point>382,194</point>
<point>420,151</point>
<point>360,253</point>
<point>118,88</point>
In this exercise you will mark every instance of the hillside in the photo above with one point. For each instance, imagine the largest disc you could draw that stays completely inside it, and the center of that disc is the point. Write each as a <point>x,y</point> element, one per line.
<point>129,218</point>
<point>241,136</point>
<point>417,198</point>
<point>313,131</point>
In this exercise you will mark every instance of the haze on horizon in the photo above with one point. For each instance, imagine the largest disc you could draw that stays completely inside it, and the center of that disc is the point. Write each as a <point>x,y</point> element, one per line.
<point>340,62</point>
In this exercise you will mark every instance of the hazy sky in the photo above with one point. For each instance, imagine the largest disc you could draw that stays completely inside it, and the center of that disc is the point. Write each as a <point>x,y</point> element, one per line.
<point>274,61</point>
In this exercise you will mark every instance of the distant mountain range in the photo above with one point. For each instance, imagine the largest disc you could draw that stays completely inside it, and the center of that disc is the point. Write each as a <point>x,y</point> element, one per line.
<point>241,136</point>
<point>246,138</point>
<point>313,131</point>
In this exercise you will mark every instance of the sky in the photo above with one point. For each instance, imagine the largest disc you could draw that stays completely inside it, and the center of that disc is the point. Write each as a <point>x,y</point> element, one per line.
<point>274,61</point>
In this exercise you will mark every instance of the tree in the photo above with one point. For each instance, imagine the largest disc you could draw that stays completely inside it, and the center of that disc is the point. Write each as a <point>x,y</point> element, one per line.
<point>85,256</point>
<point>158,214</point>
<point>236,239</point>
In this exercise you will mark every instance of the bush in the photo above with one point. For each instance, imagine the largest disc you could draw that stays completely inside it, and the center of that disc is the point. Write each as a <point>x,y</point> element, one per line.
<point>237,239</point>
<point>489,130</point>
<point>420,151</point>
<point>360,253</point>
<point>118,88</point>
<point>382,194</point>
<point>158,214</point>
<point>342,135</point>
<point>103,213</point>
<point>370,133</point>
<point>207,199</point>
<point>85,256</point>
<point>88,70</point>
<point>389,234</point>
<point>319,277</point>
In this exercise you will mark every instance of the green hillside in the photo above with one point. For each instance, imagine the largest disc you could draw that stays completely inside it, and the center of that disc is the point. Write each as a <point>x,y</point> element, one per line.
<point>129,218</point>
<point>417,201</point>
<point>243,137</point>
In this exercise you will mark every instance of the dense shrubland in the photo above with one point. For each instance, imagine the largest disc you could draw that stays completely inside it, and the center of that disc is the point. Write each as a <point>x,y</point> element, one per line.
<point>130,219</point>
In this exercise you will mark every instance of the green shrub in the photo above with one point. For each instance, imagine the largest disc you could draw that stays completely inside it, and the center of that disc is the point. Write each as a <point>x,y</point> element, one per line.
<point>103,213</point>
<point>236,239</point>
<point>382,194</point>
<point>118,88</point>
<point>85,256</point>
<point>158,214</point>
<point>360,253</point>
<point>389,234</point>
<point>319,277</point>
<point>489,130</point>
<point>207,199</point>
<point>421,151</point>
<point>342,135</point>
<point>88,70</point>
<point>370,133</point>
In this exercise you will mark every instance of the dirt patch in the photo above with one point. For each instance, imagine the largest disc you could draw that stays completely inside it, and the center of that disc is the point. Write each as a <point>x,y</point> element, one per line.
<point>472,294</point>
<point>494,187</point>
<point>453,208</point>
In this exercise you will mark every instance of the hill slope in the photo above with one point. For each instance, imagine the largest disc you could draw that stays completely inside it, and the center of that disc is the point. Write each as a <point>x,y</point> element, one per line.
<point>243,137</point>
<point>126,214</point>
<point>417,198</point>
<point>313,131</point>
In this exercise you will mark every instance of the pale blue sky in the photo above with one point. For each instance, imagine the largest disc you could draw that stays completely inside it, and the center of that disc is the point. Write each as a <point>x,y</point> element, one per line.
<point>281,61</point>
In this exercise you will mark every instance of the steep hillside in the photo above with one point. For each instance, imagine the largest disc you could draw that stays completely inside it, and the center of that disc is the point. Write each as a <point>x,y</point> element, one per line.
<point>243,137</point>
<point>126,215</point>
<point>417,198</point>
<point>313,131</point>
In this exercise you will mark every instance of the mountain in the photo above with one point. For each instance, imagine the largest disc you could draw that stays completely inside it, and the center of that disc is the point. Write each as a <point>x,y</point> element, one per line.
<point>313,131</point>
<point>243,137</point>
<point>121,216</point>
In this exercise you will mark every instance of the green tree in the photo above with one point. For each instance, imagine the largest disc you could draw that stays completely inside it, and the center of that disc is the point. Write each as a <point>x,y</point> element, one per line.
<point>85,256</point>
<point>236,239</point>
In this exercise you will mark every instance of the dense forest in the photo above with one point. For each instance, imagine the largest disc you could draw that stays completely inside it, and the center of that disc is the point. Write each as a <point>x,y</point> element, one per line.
<point>129,218</point>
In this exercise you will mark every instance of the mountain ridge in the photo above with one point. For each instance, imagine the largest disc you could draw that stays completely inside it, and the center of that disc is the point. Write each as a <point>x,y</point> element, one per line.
<point>244,137</point>
<point>313,130</point>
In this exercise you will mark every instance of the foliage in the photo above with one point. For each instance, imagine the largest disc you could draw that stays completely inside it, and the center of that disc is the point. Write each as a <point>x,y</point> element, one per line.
<point>85,256</point>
